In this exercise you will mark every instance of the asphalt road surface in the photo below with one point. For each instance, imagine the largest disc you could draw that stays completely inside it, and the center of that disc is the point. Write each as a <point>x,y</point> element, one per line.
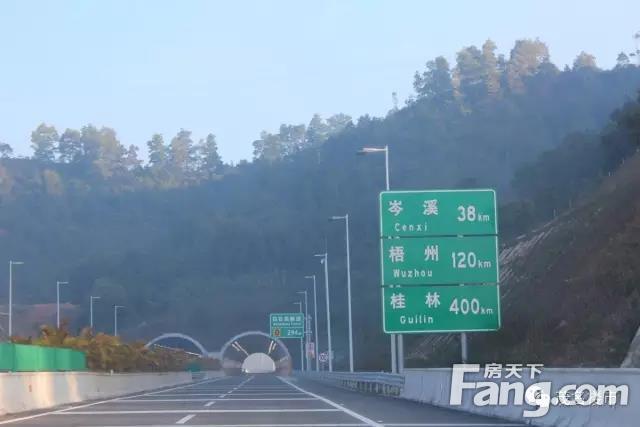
<point>254,400</point>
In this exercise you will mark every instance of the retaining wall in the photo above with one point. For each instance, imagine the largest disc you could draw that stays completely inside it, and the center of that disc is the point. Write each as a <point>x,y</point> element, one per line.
<point>25,391</point>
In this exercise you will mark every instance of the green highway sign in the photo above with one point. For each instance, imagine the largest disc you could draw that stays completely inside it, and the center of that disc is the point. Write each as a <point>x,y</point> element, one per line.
<point>286,325</point>
<point>438,213</point>
<point>420,309</point>
<point>439,260</point>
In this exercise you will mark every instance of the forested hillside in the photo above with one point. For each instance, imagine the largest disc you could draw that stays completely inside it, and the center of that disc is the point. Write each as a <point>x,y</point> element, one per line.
<point>184,239</point>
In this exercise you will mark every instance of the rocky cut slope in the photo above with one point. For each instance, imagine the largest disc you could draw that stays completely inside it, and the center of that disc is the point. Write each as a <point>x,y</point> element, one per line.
<point>570,289</point>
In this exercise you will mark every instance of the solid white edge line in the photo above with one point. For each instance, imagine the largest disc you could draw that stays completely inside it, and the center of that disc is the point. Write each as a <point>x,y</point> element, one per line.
<point>30,417</point>
<point>185,419</point>
<point>362,418</point>
<point>194,411</point>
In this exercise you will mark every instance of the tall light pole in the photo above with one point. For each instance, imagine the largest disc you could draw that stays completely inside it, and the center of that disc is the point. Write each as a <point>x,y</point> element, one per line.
<point>385,150</point>
<point>115,319</point>
<point>299,304</point>
<point>58,283</point>
<point>346,223</point>
<point>11,264</point>
<point>307,330</point>
<point>91,299</point>
<point>315,320</point>
<point>325,261</point>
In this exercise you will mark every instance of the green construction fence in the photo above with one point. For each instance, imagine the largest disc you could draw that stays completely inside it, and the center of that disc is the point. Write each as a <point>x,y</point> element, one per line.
<point>35,358</point>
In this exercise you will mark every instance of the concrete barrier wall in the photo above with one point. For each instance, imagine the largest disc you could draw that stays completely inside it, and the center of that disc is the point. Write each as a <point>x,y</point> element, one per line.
<point>25,391</point>
<point>433,386</point>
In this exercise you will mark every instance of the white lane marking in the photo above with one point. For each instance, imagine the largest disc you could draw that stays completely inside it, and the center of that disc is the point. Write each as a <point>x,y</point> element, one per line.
<point>250,425</point>
<point>209,403</point>
<point>86,405</point>
<point>185,419</point>
<point>216,400</point>
<point>362,418</point>
<point>194,411</point>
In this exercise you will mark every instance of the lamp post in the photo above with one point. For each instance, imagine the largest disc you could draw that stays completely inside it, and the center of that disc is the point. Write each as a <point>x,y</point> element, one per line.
<point>11,264</point>
<point>58,283</point>
<point>346,224</point>
<point>115,319</point>
<point>91,299</point>
<point>315,320</point>
<point>385,150</point>
<point>307,330</point>
<point>299,304</point>
<point>325,261</point>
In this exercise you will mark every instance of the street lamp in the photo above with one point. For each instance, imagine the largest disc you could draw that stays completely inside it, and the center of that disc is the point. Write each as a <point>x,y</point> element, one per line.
<point>346,223</point>
<point>11,264</point>
<point>91,299</point>
<point>115,319</point>
<point>385,150</point>
<point>315,319</point>
<point>307,330</point>
<point>58,283</point>
<point>325,261</point>
<point>299,304</point>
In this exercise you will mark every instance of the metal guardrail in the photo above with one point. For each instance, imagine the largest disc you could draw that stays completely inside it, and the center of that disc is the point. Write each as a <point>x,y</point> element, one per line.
<point>366,382</point>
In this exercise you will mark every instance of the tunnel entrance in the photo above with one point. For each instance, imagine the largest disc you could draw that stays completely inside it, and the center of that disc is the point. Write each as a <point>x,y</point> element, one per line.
<point>258,363</point>
<point>256,350</point>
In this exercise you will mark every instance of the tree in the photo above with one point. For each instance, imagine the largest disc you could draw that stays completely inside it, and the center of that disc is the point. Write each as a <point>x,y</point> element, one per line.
<point>622,60</point>
<point>209,161</point>
<point>43,142</point>
<point>158,152</point>
<point>5,150</point>
<point>317,130</point>
<point>181,154</point>
<point>435,82</point>
<point>526,58</point>
<point>131,160</point>
<point>585,61</point>
<point>338,122</point>
<point>70,146</point>
<point>110,159</point>
<point>269,147</point>
<point>471,72</point>
<point>492,68</point>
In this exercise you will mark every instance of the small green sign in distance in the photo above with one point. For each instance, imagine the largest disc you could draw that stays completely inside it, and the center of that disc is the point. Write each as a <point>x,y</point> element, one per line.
<point>286,325</point>
<point>438,213</point>
<point>439,260</point>
<point>423,309</point>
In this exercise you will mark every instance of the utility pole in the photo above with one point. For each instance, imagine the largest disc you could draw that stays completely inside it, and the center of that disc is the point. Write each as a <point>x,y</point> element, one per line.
<point>58,283</point>
<point>307,330</point>
<point>315,321</point>
<point>11,264</point>
<point>346,224</point>
<point>299,304</point>
<point>91,299</point>
<point>325,261</point>
<point>115,319</point>
<point>385,150</point>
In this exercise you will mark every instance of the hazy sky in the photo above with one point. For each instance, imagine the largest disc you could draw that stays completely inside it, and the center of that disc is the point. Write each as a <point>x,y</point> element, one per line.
<point>236,67</point>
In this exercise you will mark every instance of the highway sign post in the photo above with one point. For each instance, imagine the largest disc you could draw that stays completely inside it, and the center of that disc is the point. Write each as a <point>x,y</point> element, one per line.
<point>286,325</point>
<point>439,260</point>
<point>438,213</point>
<point>419,309</point>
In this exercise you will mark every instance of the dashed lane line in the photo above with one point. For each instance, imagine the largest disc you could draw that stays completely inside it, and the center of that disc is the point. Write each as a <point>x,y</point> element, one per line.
<point>186,418</point>
<point>362,418</point>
